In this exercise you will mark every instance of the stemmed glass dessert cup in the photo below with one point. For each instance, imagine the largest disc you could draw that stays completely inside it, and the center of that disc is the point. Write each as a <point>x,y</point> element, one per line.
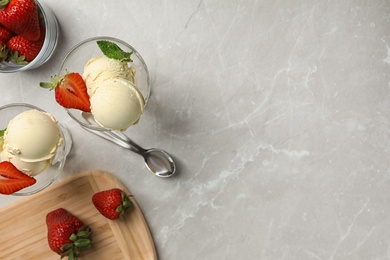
<point>157,161</point>
<point>54,169</point>
<point>78,57</point>
<point>49,45</point>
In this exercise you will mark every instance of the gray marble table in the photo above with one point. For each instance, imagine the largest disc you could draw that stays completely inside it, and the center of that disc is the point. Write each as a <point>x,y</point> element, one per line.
<point>277,112</point>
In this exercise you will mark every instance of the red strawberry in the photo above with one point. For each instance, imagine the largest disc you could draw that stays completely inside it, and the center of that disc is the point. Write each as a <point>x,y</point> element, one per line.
<point>23,50</point>
<point>112,203</point>
<point>12,179</point>
<point>70,91</point>
<point>66,234</point>
<point>5,34</point>
<point>21,17</point>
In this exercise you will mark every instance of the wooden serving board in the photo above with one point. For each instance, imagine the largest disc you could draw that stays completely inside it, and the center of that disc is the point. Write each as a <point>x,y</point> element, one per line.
<point>23,226</point>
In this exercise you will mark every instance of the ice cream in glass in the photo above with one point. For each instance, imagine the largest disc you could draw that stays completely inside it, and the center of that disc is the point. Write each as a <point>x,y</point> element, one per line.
<point>34,142</point>
<point>116,80</point>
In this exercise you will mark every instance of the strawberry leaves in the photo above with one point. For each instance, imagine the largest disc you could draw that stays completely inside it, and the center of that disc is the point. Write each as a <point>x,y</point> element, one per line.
<point>77,241</point>
<point>66,233</point>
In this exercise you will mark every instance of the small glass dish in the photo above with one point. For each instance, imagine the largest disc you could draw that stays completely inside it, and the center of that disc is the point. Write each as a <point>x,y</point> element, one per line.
<point>49,45</point>
<point>78,57</point>
<point>54,169</point>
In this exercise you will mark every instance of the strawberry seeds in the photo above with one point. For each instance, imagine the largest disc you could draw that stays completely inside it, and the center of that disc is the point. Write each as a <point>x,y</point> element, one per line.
<point>22,31</point>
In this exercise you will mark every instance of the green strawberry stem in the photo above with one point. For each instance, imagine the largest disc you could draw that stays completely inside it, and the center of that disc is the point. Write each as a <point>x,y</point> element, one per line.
<point>126,204</point>
<point>4,53</point>
<point>4,3</point>
<point>18,59</point>
<point>54,81</point>
<point>113,51</point>
<point>2,132</point>
<point>78,241</point>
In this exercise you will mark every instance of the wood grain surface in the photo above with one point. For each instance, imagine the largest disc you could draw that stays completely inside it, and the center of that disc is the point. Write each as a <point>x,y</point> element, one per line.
<point>24,232</point>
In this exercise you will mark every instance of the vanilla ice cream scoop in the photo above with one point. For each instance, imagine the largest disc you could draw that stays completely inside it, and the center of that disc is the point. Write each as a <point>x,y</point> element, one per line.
<point>117,104</point>
<point>33,136</point>
<point>102,68</point>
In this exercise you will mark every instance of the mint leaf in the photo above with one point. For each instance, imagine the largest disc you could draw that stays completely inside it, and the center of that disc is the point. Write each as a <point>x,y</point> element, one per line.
<point>113,51</point>
<point>2,132</point>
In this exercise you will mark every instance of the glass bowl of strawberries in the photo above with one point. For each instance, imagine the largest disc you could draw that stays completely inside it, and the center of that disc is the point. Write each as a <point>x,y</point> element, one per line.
<point>111,82</point>
<point>28,35</point>
<point>33,149</point>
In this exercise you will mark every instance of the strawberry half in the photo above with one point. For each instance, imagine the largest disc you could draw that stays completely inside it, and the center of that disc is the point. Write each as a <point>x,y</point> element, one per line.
<point>21,17</point>
<point>66,234</point>
<point>13,180</point>
<point>112,203</point>
<point>70,91</point>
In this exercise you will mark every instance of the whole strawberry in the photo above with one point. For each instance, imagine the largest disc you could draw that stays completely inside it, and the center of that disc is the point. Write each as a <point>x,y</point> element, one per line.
<point>21,17</point>
<point>112,203</point>
<point>22,50</point>
<point>66,234</point>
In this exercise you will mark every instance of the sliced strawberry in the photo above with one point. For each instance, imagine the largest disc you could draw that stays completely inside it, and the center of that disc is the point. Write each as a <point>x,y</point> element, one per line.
<point>12,179</point>
<point>9,186</point>
<point>9,171</point>
<point>70,91</point>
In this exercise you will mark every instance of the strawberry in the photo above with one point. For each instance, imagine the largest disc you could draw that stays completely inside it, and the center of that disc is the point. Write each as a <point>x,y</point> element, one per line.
<point>5,34</point>
<point>12,179</point>
<point>66,234</point>
<point>21,17</point>
<point>70,91</point>
<point>23,50</point>
<point>112,203</point>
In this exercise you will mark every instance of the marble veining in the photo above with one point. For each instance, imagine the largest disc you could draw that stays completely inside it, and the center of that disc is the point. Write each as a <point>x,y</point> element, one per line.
<point>277,113</point>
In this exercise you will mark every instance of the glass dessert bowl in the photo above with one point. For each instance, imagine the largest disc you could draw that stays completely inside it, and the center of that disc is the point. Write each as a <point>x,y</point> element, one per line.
<point>26,131</point>
<point>107,83</point>
<point>87,59</point>
<point>48,19</point>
